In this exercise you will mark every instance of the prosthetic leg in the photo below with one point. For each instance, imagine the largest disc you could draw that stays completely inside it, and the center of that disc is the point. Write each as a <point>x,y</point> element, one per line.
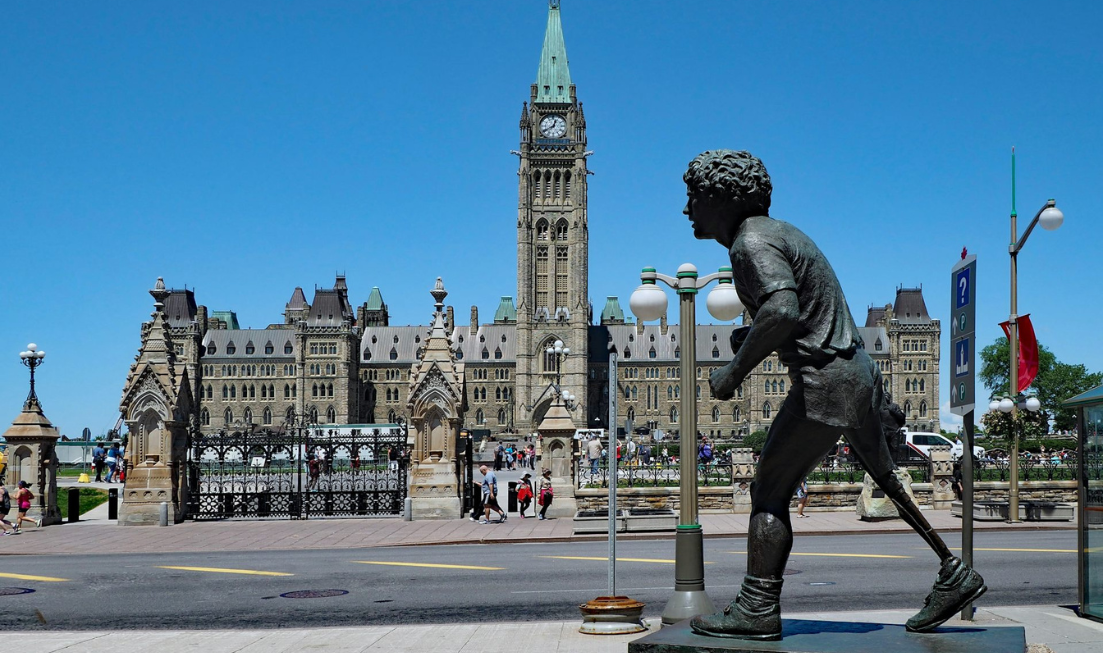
<point>957,584</point>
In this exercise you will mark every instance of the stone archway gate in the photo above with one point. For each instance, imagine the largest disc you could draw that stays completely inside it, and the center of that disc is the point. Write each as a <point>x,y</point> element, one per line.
<point>267,474</point>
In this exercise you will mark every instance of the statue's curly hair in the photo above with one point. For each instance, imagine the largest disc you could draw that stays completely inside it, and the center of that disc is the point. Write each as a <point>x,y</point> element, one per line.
<point>731,176</point>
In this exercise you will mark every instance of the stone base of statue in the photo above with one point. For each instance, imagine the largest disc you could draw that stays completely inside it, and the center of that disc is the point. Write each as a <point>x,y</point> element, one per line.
<point>873,505</point>
<point>147,486</point>
<point>808,636</point>
<point>564,506</point>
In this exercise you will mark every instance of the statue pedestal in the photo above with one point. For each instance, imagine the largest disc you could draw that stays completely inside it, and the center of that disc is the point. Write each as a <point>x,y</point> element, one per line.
<point>435,491</point>
<point>807,636</point>
<point>146,487</point>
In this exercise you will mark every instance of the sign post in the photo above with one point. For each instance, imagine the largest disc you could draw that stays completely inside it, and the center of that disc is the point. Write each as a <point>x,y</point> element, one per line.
<point>963,312</point>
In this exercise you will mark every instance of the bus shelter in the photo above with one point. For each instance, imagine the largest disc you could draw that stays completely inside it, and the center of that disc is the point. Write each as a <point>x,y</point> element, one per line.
<point>1089,408</point>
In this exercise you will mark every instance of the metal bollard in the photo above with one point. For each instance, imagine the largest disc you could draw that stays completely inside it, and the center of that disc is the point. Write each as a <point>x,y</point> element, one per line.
<point>113,503</point>
<point>408,509</point>
<point>74,504</point>
<point>164,515</point>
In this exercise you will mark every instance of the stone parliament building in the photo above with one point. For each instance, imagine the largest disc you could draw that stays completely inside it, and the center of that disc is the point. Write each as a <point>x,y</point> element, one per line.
<point>340,364</point>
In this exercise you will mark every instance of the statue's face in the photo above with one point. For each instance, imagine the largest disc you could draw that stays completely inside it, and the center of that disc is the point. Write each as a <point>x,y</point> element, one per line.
<point>705,215</point>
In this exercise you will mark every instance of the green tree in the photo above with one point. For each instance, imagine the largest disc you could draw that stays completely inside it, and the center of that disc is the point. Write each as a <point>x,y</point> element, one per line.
<point>1056,381</point>
<point>755,441</point>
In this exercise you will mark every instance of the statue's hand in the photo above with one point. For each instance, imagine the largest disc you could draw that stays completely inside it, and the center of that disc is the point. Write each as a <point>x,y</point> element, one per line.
<point>723,383</point>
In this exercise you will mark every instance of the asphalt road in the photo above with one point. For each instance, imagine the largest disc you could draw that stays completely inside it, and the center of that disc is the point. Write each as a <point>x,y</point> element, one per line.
<point>507,582</point>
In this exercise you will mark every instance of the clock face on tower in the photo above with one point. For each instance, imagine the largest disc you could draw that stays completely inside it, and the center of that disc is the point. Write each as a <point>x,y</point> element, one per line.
<point>553,126</point>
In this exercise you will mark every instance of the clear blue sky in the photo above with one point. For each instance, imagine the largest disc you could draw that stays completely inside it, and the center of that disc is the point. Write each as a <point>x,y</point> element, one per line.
<point>247,148</point>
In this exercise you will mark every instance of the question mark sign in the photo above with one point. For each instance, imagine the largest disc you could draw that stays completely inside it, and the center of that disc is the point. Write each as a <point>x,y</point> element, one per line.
<point>963,287</point>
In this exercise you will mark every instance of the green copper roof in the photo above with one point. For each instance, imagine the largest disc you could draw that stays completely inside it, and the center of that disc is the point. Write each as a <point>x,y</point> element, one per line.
<point>375,300</point>
<point>553,80</point>
<point>1093,396</point>
<point>229,317</point>
<point>612,310</point>
<point>506,311</point>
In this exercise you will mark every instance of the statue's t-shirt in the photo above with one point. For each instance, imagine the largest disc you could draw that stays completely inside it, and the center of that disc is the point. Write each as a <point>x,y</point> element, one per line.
<point>833,378</point>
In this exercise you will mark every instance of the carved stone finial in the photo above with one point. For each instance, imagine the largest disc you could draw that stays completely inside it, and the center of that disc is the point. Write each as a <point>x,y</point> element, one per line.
<point>439,293</point>
<point>159,293</point>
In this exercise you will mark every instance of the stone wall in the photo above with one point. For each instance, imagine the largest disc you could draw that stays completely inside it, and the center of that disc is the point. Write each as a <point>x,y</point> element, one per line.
<point>835,496</point>
<point>1059,491</point>
<point>709,499</point>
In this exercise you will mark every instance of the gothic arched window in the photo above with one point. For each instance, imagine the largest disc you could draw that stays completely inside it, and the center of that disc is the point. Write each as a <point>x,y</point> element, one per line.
<point>673,415</point>
<point>923,409</point>
<point>561,230</point>
<point>541,230</point>
<point>205,417</point>
<point>228,417</point>
<point>767,410</point>
<point>716,414</point>
<point>480,418</point>
<point>267,415</point>
<point>248,416</point>
<point>331,415</point>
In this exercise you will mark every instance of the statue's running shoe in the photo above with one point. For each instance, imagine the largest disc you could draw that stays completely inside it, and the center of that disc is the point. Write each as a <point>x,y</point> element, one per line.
<point>754,614</point>
<point>957,584</point>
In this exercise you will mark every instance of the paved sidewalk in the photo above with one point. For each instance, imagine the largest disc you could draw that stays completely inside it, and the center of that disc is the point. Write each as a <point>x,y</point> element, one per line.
<point>96,533</point>
<point>1055,627</point>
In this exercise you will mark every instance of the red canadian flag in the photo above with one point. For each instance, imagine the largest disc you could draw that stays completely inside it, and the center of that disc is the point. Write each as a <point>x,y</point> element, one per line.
<point>1028,350</point>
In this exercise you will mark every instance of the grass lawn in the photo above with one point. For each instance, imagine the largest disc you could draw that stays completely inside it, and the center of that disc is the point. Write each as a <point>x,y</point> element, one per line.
<point>90,497</point>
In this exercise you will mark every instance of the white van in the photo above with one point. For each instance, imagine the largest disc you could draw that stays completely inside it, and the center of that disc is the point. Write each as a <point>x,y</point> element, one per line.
<point>922,442</point>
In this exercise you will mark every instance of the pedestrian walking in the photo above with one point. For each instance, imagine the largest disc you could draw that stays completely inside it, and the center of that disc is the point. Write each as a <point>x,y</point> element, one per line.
<point>314,471</point>
<point>490,496</point>
<point>99,461</point>
<point>532,457</point>
<point>23,498</point>
<point>5,508</point>
<point>112,460</point>
<point>802,497</point>
<point>524,494</point>
<point>499,454</point>
<point>593,452</point>
<point>544,498</point>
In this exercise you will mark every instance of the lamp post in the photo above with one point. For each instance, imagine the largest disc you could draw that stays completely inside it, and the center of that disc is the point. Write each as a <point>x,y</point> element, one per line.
<point>1050,217</point>
<point>648,302</point>
<point>32,358</point>
<point>1007,405</point>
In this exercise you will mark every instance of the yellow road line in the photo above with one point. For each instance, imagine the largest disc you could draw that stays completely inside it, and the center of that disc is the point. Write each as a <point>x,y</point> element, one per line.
<point>426,564</point>
<point>217,570</point>
<point>606,558</point>
<point>840,555</point>
<point>46,579</point>
<point>1021,550</point>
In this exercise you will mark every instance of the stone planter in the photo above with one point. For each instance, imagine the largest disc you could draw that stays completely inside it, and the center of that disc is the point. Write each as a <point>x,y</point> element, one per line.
<point>651,519</point>
<point>596,522</point>
<point>1028,511</point>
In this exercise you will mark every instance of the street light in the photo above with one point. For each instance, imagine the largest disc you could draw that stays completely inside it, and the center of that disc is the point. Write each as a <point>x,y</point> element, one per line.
<point>649,302</point>
<point>1007,405</point>
<point>1050,217</point>
<point>32,358</point>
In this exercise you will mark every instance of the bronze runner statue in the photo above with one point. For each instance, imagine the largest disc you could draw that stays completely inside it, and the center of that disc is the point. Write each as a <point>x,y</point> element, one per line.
<point>799,311</point>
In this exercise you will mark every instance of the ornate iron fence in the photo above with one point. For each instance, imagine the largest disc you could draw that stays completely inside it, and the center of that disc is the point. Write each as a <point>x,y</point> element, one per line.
<point>996,465</point>
<point>297,475</point>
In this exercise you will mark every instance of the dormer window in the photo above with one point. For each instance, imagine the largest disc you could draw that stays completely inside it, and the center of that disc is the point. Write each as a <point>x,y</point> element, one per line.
<point>249,348</point>
<point>497,353</point>
<point>230,348</point>
<point>394,354</point>
<point>268,348</point>
<point>417,338</point>
<point>503,337</point>
<point>211,349</point>
<point>288,349</point>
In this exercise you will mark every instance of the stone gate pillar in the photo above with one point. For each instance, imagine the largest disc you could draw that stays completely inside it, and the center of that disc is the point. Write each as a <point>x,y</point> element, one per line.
<point>436,408</point>
<point>557,434</point>
<point>31,439</point>
<point>157,407</point>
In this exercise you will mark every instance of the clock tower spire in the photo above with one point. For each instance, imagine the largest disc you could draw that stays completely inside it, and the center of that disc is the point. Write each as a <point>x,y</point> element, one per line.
<point>552,235</point>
